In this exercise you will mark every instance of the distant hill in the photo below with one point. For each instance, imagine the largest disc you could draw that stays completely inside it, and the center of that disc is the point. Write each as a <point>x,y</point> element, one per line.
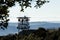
<point>46,25</point>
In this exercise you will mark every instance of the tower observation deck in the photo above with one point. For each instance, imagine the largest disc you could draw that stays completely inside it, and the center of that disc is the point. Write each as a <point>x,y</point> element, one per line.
<point>23,23</point>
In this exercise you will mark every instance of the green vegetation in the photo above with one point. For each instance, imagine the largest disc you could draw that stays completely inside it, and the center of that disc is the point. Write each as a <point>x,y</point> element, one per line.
<point>40,34</point>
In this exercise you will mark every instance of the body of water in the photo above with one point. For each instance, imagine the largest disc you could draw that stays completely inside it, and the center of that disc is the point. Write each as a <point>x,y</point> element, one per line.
<point>12,27</point>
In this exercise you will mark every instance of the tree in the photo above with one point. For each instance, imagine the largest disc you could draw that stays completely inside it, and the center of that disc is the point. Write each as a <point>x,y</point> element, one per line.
<point>5,4</point>
<point>3,16</point>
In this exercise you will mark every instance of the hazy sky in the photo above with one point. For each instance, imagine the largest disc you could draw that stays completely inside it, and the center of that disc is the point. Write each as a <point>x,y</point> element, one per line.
<point>48,12</point>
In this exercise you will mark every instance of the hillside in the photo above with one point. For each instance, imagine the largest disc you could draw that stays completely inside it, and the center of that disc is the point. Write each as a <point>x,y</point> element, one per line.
<point>39,34</point>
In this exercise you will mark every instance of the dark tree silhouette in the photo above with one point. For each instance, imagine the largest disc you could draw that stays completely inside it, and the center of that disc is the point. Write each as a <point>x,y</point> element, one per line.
<point>5,4</point>
<point>3,16</point>
<point>26,3</point>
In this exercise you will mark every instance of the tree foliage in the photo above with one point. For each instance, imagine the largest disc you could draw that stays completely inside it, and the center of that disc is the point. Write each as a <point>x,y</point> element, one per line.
<point>5,4</point>
<point>3,16</point>
<point>26,3</point>
<point>54,35</point>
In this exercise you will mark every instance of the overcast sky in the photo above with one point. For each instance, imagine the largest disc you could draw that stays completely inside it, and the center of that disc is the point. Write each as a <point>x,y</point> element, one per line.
<point>48,12</point>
